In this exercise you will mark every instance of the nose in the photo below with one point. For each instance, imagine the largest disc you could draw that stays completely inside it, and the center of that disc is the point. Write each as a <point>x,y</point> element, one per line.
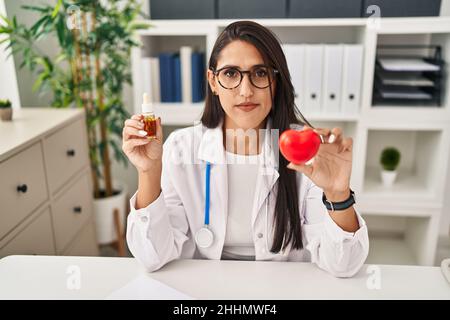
<point>246,87</point>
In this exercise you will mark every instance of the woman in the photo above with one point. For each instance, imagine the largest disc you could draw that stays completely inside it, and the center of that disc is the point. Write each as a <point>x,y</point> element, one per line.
<point>213,195</point>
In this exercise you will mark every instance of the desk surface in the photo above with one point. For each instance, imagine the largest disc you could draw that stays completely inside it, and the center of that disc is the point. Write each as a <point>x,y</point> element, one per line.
<point>46,277</point>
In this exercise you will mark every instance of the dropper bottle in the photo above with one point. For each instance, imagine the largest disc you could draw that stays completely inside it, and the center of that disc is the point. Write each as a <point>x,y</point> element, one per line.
<point>149,117</point>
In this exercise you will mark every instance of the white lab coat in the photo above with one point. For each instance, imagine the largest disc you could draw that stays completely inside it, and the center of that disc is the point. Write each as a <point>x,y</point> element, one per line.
<point>165,229</point>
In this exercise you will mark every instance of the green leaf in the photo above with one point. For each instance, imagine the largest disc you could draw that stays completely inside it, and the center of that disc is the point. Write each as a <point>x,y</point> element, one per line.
<point>60,28</point>
<point>61,57</point>
<point>138,26</point>
<point>34,8</point>
<point>55,11</point>
<point>35,28</point>
<point>38,83</point>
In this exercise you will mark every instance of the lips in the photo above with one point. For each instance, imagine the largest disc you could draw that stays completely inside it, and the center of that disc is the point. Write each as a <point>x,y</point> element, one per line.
<point>247,106</point>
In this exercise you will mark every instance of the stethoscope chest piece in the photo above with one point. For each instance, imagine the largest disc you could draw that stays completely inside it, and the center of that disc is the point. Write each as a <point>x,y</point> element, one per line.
<point>204,237</point>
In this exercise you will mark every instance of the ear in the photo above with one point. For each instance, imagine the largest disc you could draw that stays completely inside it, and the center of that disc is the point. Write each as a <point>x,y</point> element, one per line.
<point>212,81</point>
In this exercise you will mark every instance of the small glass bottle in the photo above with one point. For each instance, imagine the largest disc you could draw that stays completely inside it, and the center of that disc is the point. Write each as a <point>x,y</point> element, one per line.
<point>149,117</point>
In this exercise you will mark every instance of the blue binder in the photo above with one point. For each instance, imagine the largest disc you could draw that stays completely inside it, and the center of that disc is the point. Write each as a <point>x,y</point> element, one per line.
<point>177,94</point>
<point>198,76</point>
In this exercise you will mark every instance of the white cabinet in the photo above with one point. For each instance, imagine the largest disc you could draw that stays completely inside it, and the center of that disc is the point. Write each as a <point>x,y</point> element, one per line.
<point>45,190</point>
<point>403,221</point>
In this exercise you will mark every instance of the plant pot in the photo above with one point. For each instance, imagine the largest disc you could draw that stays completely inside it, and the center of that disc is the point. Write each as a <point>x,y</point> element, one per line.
<point>6,114</point>
<point>104,214</point>
<point>388,177</point>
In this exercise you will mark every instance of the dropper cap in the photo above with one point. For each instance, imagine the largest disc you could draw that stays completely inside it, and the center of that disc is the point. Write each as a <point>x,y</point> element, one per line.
<point>147,105</point>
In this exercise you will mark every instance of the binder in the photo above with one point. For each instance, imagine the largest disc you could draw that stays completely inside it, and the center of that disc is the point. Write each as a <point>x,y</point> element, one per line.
<point>166,76</point>
<point>177,79</point>
<point>186,67</point>
<point>150,74</point>
<point>147,84</point>
<point>313,77</point>
<point>332,79</point>
<point>295,57</point>
<point>352,78</point>
<point>198,77</point>
<point>154,65</point>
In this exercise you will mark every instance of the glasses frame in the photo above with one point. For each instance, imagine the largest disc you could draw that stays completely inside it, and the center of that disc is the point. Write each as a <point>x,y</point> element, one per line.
<point>242,72</point>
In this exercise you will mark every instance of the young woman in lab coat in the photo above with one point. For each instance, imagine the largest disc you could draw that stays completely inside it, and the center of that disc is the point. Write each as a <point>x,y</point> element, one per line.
<point>260,206</point>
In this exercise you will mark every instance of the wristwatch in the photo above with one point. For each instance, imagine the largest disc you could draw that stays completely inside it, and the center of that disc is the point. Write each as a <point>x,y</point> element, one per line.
<point>335,206</point>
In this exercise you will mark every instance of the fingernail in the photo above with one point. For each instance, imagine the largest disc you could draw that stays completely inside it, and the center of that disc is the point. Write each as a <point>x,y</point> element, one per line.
<point>289,166</point>
<point>310,161</point>
<point>321,138</point>
<point>331,139</point>
<point>142,132</point>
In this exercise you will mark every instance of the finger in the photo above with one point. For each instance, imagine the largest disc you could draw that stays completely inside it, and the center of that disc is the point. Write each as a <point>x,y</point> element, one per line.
<point>137,117</point>
<point>159,131</point>
<point>335,136</point>
<point>134,123</point>
<point>347,145</point>
<point>323,134</point>
<point>132,143</point>
<point>302,168</point>
<point>129,132</point>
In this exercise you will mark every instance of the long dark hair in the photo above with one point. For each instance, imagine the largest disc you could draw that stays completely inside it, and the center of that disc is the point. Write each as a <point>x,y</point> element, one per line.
<point>283,113</point>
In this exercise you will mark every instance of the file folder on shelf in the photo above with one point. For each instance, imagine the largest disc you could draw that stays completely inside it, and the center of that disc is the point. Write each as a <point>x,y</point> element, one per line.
<point>295,56</point>
<point>332,79</point>
<point>313,76</point>
<point>352,78</point>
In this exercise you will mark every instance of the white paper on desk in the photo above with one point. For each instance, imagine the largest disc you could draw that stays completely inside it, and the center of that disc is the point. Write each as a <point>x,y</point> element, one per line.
<point>144,287</point>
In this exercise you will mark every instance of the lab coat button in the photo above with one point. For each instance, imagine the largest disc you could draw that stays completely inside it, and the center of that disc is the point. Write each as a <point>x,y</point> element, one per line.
<point>260,235</point>
<point>144,219</point>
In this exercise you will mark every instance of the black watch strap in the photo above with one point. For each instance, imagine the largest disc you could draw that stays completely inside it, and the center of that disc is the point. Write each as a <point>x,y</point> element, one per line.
<point>335,206</point>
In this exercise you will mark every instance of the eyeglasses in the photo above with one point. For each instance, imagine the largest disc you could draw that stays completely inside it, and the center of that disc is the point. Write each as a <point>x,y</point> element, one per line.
<point>231,77</point>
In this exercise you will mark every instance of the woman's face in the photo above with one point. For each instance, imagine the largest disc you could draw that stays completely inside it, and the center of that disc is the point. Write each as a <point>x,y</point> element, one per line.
<point>242,56</point>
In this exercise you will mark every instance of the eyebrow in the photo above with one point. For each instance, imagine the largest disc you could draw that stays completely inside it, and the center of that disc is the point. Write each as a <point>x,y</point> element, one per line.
<point>237,67</point>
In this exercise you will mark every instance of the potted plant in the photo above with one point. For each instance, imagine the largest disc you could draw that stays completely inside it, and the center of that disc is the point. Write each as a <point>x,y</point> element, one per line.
<point>5,110</point>
<point>390,158</point>
<point>89,71</point>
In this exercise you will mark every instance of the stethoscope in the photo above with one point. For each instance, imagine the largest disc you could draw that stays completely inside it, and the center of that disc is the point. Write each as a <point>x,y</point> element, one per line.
<point>204,237</point>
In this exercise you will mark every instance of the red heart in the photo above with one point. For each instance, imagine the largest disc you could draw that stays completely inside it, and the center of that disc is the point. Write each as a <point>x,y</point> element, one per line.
<point>299,146</point>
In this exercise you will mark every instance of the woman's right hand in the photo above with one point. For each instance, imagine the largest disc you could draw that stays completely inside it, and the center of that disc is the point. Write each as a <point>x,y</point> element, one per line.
<point>144,153</point>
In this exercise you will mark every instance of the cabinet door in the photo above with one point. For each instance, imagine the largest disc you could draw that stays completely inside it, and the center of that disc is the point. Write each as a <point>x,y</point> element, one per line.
<point>35,238</point>
<point>85,244</point>
<point>23,187</point>
<point>71,211</point>
<point>66,152</point>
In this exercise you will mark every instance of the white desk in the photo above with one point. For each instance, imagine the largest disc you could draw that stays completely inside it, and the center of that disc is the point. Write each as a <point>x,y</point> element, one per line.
<point>45,277</point>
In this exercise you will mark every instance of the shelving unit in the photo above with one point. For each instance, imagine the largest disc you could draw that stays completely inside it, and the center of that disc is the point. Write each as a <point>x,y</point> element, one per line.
<point>404,220</point>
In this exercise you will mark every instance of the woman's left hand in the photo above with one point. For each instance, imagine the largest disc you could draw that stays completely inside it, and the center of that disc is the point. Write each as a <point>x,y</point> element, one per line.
<point>331,167</point>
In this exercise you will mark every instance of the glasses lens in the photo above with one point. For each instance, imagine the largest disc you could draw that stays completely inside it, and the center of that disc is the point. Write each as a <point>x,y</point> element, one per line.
<point>260,77</point>
<point>229,78</point>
